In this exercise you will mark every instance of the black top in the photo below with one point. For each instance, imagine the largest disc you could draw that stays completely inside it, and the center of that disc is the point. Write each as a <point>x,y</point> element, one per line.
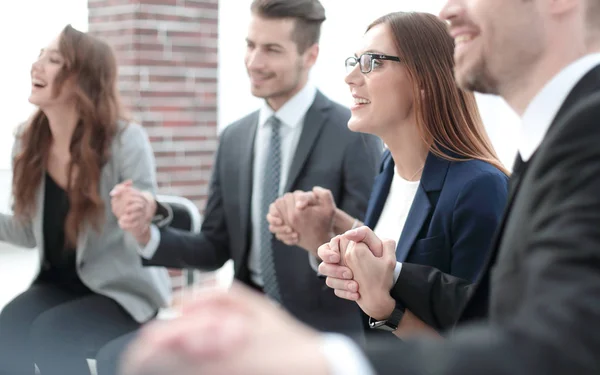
<point>59,259</point>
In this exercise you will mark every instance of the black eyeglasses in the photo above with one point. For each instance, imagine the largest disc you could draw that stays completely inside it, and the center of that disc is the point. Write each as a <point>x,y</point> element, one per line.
<point>367,61</point>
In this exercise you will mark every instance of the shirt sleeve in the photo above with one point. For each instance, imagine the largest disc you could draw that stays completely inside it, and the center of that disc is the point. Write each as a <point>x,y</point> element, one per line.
<point>397,272</point>
<point>343,356</point>
<point>148,251</point>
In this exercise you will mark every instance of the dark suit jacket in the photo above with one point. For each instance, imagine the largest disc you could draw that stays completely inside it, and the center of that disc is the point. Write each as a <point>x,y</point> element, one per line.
<point>542,311</point>
<point>453,217</point>
<point>328,155</point>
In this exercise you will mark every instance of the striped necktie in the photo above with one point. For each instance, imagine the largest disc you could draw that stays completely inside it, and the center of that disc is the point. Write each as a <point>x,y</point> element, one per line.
<point>270,192</point>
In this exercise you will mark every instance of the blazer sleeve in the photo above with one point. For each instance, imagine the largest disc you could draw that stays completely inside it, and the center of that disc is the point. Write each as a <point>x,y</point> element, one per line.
<point>136,158</point>
<point>135,161</point>
<point>475,218</point>
<point>207,250</point>
<point>554,329</point>
<point>361,162</point>
<point>435,297</point>
<point>18,232</point>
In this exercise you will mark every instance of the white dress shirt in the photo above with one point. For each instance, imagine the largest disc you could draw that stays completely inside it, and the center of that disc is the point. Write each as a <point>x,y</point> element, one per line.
<point>291,115</point>
<point>536,121</point>
<point>542,110</point>
<point>395,212</point>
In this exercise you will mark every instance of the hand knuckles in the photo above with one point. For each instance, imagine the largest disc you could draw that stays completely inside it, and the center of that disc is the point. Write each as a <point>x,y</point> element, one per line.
<point>321,268</point>
<point>349,255</point>
<point>391,263</point>
<point>328,282</point>
<point>324,269</point>
<point>349,285</point>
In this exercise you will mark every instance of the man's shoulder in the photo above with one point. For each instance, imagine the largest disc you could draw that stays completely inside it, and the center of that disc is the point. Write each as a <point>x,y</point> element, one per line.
<point>339,113</point>
<point>579,125</point>
<point>585,108</point>
<point>240,126</point>
<point>338,116</point>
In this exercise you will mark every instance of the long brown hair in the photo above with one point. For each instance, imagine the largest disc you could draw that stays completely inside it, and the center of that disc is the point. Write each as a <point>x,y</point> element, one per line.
<point>447,116</point>
<point>92,64</point>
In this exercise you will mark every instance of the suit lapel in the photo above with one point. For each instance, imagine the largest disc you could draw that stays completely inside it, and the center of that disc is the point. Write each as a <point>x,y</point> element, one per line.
<point>380,191</point>
<point>245,184</point>
<point>419,211</point>
<point>313,122</point>
<point>515,180</point>
<point>587,85</point>
<point>432,180</point>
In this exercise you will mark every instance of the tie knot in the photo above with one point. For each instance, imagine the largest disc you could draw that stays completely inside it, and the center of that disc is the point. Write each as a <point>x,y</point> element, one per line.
<point>275,123</point>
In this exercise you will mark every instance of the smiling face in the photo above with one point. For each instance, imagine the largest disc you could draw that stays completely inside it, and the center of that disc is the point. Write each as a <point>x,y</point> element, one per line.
<point>383,98</point>
<point>276,69</point>
<point>497,41</point>
<point>45,91</point>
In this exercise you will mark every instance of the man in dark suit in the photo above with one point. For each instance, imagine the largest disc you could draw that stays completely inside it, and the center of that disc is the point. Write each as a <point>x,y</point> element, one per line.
<point>534,309</point>
<point>297,140</point>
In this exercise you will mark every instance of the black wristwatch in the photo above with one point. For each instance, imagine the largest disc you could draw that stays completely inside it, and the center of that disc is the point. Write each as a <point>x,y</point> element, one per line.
<point>390,324</point>
<point>163,215</point>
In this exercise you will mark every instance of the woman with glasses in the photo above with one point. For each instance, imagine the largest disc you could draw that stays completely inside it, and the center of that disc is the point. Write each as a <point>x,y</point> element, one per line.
<point>441,189</point>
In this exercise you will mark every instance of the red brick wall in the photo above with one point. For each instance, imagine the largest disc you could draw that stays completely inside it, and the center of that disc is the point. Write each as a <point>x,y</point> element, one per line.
<point>167,53</point>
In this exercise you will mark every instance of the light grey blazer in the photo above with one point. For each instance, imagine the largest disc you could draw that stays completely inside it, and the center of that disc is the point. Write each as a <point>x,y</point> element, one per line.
<point>108,262</point>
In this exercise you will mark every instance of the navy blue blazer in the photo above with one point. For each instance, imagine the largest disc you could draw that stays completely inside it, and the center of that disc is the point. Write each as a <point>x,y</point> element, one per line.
<point>453,217</point>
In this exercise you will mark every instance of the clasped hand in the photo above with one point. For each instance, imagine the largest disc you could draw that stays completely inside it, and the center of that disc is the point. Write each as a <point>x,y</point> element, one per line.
<point>134,209</point>
<point>303,219</point>
<point>360,267</point>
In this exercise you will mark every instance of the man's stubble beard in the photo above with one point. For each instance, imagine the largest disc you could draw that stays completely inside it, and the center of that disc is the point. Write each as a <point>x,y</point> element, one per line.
<point>478,79</point>
<point>285,91</point>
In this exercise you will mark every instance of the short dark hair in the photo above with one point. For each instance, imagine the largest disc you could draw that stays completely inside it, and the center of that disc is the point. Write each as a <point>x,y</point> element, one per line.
<point>309,15</point>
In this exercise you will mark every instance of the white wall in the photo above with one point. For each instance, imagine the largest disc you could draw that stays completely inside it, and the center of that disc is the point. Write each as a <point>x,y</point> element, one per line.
<point>26,27</point>
<point>346,22</point>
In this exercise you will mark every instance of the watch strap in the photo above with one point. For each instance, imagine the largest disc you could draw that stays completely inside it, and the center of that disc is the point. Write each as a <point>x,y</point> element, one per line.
<point>392,322</point>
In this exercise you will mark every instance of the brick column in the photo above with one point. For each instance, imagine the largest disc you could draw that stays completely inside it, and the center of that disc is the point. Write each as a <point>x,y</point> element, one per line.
<point>167,53</point>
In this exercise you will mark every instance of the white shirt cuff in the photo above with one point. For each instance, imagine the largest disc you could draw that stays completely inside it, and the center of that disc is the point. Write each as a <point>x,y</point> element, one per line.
<point>343,356</point>
<point>314,264</point>
<point>397,272</point>
<point>148,251</point>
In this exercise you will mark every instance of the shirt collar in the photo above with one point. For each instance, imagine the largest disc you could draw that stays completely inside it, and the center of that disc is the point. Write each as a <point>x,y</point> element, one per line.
<point>293,111</point>
<point>545,105</point>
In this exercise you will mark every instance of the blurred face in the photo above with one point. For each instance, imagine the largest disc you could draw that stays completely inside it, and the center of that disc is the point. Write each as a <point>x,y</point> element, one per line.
<point>43,75</point>
<point>383,98</point>
<point>276,70</point>
<point>497,41</point>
